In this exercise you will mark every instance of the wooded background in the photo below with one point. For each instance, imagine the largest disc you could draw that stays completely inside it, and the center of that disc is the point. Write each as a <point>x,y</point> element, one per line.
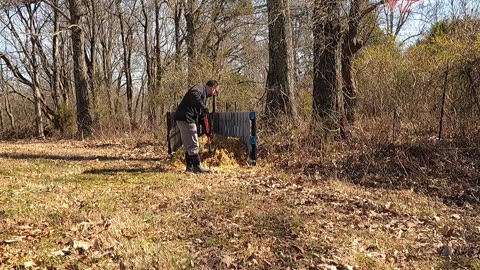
<point>389,70</point>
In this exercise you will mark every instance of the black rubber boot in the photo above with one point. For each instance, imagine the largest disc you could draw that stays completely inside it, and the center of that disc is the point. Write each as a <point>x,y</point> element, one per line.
<point>188,163</point>
<point>197,165</point>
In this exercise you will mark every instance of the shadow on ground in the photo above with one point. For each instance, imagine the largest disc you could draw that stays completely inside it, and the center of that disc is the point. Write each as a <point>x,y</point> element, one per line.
<point>113,171</point>
<point>75,157</point>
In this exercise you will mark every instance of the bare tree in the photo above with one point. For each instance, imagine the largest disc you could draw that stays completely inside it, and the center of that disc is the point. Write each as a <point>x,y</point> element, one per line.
<point>126,32</point>
<point>351,45</point>
<point>84,119</point>
<point>5,91</point>
<point>29,48</point>
<point>326,68</point>
<point>280,79</point>
<point>191,14</point>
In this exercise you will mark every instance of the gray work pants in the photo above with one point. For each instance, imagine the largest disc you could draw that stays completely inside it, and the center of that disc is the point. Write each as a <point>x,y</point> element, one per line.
<point>188,132</point>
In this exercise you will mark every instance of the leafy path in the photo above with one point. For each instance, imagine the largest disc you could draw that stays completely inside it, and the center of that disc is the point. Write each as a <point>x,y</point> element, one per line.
<point>80,205</point>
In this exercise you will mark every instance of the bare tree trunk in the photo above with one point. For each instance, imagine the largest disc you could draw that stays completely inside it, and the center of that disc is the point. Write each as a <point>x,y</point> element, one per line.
<point>37,95</point>
<point>191,39</point>
<point>3,89</point>
<point>55,68</point>
<point>149,67</point>
<point>326,83</point>
<point>91,62</point>
<point>158,46</point>
<point>66,74</point>
<point>8,108</point>
<point>126,35</point>
<point>2,124</point>
<point>280,78</point>
<point>107,70</point>
<point>84,120</point>
<point>178,41</point>
<point>350,46</point>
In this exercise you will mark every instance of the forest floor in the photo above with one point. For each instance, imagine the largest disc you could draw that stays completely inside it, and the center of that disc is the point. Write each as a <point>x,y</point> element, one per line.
<point>105,205</point>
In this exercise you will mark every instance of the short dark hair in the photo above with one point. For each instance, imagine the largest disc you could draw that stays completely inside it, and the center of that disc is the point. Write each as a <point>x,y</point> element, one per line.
<point>212,83</point>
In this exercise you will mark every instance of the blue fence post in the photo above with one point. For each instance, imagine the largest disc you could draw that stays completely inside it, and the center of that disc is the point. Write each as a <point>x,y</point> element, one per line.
<point>252,160</point>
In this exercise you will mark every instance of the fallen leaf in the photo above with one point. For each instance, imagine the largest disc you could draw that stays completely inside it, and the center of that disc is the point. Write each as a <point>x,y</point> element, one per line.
<point>82,244</point>
<point>456,216</point>
<point>98,254</point>
<point>326,267</point>
<point>57,253</point>
<point>388,205</point>
<point>227,260</point>
<point>298,248</point>
<point>13,240</point>
<point>29,264</point>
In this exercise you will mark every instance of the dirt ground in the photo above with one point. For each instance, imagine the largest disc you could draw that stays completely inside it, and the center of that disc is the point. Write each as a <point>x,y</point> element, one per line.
<point>120,205</point>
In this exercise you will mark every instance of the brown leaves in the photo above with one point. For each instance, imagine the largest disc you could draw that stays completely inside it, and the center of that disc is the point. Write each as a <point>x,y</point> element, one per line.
<point>14,239</point>
<point>82,244</point>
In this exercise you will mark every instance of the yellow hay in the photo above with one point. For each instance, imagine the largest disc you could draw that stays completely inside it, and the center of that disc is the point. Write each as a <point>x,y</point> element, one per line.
<point>226,153</point>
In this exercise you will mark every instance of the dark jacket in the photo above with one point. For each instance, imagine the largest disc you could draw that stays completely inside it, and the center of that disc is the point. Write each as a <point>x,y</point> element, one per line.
<point>193,105</point>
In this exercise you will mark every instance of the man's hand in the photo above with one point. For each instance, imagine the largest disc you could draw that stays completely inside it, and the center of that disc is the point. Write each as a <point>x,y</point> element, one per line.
<point>206,124</point>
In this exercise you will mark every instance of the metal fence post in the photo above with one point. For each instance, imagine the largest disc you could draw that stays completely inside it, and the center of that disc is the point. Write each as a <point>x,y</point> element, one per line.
<point>253,140</point>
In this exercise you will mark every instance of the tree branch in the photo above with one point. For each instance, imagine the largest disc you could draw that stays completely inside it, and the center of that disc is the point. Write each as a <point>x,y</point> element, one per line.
<point>371,8</point>
<point>15,70</point>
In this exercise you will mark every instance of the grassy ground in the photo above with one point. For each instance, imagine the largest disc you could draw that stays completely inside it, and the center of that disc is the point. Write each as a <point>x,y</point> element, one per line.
<point>85,205</point>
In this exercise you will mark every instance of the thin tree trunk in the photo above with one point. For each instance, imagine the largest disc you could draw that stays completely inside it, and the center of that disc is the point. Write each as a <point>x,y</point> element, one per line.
<point>190,39</point>
<point>178,41</point>
<point>148,66</point>
<point>442,108</point>
<point>2,124</point>
<point>106,50</point>
<point>127,55</point>
<point>55,68</point>
<point>91,63</point>
<point>8,108</point>
<point>66,74</point>
<point>158,46</point>
<point>158,61</point>
<point>37,95</point>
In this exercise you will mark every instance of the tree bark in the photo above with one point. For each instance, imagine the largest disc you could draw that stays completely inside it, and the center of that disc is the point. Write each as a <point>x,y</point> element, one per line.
<point>84,119</point>
<point>126,35</point>
<point>191,39</point>
<point>280,78</point>
<point>326,77</point>
<point>178,40</point>
<point>55,85</point>
<point>8,108</point>
<point>37,95</point>
<point>92,61</point>
<point>350,46</point>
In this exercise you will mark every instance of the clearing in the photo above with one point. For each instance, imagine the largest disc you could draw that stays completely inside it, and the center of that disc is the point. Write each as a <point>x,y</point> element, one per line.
<point>104,205</point>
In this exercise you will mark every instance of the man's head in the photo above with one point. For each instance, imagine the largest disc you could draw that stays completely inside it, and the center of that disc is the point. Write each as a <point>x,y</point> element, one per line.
<point>212,88</point>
